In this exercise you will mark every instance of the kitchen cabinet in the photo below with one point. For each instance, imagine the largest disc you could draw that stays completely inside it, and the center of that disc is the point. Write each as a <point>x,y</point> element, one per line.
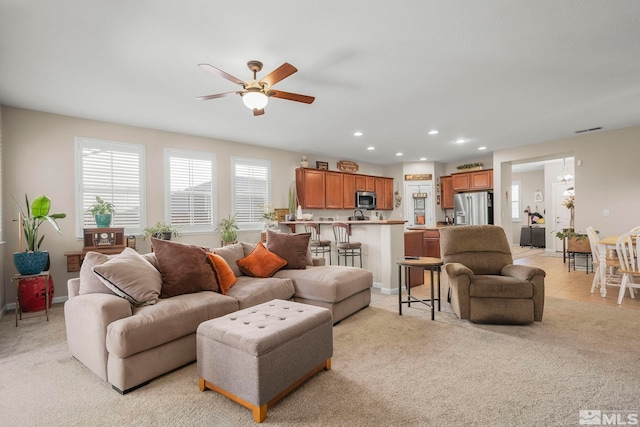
<point>446,190</point>
<point>310,186</point>
<point>321,189</point>
<point>421,242</point>
<point>334,190</point>
<point>473,181</point>
<point>349,191</point>
<point>432,243</point>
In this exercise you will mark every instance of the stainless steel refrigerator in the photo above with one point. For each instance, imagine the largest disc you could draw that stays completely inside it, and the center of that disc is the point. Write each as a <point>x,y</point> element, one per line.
<point>473,208</point>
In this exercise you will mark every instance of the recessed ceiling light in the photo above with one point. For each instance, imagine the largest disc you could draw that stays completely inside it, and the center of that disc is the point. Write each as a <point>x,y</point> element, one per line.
<point>423,158</point>
<point>358,133</point>
<point>433,132</point>
<point>399,154</point>
<point>482,148</point>
<point>371,148</point>
<point>460,141</point>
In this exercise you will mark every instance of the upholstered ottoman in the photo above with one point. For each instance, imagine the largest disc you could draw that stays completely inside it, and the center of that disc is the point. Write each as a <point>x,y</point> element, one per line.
<point>257,355</point>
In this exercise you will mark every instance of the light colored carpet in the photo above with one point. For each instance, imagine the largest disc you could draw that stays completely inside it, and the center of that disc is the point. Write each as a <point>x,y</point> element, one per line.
<point>387,370</point>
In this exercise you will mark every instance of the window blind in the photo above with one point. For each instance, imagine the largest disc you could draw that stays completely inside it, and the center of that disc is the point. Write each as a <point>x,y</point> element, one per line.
<point>252,190</point>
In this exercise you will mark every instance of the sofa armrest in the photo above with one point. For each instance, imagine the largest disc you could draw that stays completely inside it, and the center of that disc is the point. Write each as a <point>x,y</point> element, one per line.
<point>86,318</point>
<point>73,287</point>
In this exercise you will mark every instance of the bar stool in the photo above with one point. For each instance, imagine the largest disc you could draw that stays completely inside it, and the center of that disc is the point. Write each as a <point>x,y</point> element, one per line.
<point>318,246</point>
<point>344,246</point>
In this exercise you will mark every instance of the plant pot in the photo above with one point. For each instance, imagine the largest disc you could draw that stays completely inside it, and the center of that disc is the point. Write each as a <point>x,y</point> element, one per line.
<point>103,220</point>
<point>32,292</point>
<point>163,236</point>
<point>30,262</point>
<point>575,245</point>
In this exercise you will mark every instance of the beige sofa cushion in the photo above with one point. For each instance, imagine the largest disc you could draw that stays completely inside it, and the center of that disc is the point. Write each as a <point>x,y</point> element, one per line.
<point>249,291</point>
<point>89,282</point>
<point>329,283</point>
<point>231,254</point>
<point>168,320</point>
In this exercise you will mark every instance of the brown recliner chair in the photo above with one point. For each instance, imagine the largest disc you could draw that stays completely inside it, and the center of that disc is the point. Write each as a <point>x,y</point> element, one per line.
<point>484,284</point>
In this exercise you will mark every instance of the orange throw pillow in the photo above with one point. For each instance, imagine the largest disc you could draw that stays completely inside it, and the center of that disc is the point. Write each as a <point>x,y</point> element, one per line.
<point>260,262</point>
<point>224,274</point>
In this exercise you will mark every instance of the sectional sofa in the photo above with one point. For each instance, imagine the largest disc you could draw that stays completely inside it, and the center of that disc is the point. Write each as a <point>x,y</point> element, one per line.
<point>130,318</point>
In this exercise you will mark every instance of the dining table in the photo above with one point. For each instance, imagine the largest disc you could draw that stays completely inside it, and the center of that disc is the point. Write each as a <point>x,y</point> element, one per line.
<point>604,245</point>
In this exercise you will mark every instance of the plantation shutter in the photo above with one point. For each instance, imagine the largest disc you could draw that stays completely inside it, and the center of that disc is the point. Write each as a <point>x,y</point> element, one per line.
<point>191,198</point>
<point>114,172</point>
<point>252,191</point>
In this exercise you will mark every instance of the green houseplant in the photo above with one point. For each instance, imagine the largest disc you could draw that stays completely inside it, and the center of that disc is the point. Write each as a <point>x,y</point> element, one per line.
<point>228,229</point>
<point>163,231</point>
<point>33,260</point>
<point>102,212</point>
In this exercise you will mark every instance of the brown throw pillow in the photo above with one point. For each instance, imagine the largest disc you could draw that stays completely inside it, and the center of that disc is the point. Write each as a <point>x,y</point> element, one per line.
<point>291,247</point>
<point>260,262</point>
<point>185,268</point>
<point>224,274</point>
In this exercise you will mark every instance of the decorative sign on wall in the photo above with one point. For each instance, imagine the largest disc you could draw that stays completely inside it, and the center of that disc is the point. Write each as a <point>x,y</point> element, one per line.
<point>348,166</point>
<point>418,177</point>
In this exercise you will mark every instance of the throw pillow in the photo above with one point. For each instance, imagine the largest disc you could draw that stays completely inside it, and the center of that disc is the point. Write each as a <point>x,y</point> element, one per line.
<point>260,262</point>
<point>231,254</point>
<point>224,274</point>
<point>185,268</point>
<point>89,282</point>
<point>131,277</point>
<point>291,247</point>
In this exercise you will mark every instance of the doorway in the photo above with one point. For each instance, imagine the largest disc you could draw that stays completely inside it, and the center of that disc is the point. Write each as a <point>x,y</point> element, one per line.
<point>561,215</point>
<point>419,204</point>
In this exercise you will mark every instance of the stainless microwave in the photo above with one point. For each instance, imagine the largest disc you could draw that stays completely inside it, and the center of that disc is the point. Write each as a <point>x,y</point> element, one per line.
<point>365,200</point>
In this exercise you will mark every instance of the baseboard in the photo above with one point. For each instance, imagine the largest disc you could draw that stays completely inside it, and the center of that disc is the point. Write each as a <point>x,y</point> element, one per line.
<point>384,290</point>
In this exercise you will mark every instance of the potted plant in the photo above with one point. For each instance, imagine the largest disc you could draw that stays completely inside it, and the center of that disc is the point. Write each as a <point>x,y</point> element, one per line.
<point>162,231</point>
<point>33,260</point>
<point>270,218</point>
<point>102,212</point>
<point>228,229</point>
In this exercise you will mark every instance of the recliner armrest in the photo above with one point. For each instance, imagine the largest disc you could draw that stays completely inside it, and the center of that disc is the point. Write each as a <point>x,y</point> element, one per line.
<point>522,272</point>
<point>455,269</point>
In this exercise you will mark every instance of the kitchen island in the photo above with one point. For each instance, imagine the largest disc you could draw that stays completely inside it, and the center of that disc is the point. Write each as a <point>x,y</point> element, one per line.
<point>382,244</point>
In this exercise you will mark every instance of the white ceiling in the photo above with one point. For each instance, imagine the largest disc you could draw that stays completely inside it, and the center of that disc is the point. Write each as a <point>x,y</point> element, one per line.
<point>496,73</point>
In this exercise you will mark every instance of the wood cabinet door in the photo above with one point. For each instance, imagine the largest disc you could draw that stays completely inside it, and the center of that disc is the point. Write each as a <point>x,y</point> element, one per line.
<point>370,183</point>
<point>446,188</point>
<point>349,192</point>
<point>460,182</point>
<point>310,184</point>
<point>388,192</point>
<point>413,246</point>
<point>361,183</point>
<point>334,190</point>
<point>384,193</point>
<point>432,243</point>
<point>481,180</point>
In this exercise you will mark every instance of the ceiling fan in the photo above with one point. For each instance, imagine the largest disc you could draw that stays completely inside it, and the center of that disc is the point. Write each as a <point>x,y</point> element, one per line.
<point>255,94</point>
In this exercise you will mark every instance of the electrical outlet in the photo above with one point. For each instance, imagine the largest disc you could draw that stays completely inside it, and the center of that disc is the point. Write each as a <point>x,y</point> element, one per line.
<point>605,212</point>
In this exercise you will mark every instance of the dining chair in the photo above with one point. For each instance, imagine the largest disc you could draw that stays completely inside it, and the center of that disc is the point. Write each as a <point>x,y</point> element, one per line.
<point>612,277</point>
<point>318,246</point>
<point>344,245</point>
<point>627,250</point>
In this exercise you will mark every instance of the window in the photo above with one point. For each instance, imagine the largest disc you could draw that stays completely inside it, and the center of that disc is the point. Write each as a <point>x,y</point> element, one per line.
<point>516,209</point>
<point>115,172</point>
<point>190,203</point>
<point>251,191</point>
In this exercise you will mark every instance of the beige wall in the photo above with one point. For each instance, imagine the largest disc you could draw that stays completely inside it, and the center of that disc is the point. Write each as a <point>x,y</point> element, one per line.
<point>607,178</point>
<point>38,158</point>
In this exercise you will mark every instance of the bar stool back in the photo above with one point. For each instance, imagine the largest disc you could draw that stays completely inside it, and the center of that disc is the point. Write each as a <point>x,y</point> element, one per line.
<point>318,246</point>
<point>344,245</point>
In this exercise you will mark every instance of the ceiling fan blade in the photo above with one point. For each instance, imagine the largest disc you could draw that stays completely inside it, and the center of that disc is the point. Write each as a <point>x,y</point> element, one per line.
<point>221,73</point>
<point>282,72</point>
<point>258,112</point>
<point>217,95</point>
<point>291,96</point>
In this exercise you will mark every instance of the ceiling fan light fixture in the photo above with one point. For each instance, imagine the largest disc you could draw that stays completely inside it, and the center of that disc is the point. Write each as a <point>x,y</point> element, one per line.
<point>255,100</point>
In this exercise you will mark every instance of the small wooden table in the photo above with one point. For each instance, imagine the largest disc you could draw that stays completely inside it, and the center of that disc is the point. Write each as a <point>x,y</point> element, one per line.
<point>16,279</point>
<point>433,264</point>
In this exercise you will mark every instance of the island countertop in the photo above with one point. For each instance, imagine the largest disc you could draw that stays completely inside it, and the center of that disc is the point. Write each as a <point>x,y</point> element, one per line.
<point>368,221</point>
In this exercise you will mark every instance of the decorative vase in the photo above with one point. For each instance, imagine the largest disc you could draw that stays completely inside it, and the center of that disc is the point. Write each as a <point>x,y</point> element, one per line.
<point>299,213</point>
<point>30,262</point>
<point>103,220</point>
<point>304,163</point>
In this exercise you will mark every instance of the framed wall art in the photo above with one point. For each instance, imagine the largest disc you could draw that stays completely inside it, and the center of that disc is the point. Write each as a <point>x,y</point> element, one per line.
<point>322,165</point>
